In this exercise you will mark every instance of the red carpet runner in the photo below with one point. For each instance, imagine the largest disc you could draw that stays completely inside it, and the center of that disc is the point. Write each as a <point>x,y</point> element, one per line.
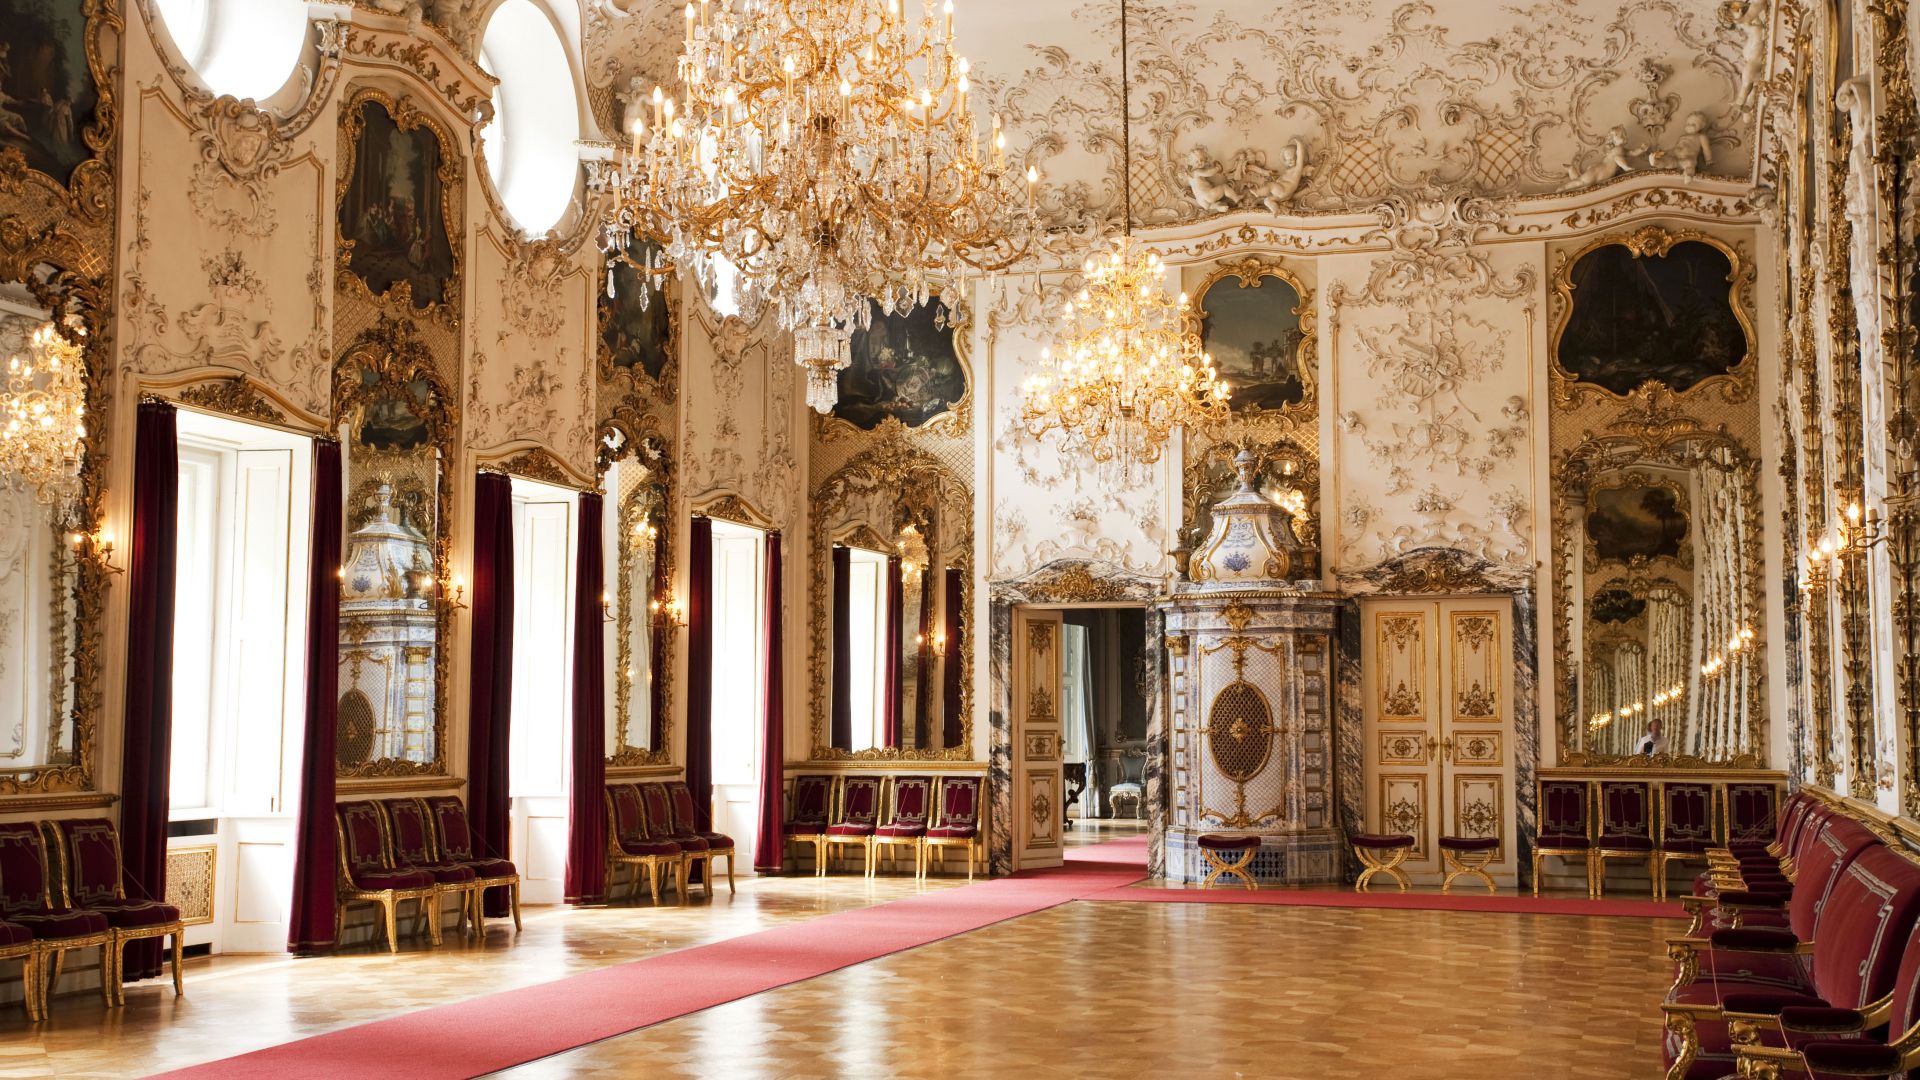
<point>498,1031</point>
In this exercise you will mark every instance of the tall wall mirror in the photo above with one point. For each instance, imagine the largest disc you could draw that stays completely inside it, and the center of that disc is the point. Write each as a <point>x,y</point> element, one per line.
<point>636,483</point>
<point>54,562</point>
<point>891,591</point>
<point>1657,572</point>
<point>395,592</point>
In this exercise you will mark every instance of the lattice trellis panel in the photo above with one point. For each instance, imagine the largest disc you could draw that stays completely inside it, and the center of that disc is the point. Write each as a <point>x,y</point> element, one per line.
<point>190,882</point>
<point>1263,791</point>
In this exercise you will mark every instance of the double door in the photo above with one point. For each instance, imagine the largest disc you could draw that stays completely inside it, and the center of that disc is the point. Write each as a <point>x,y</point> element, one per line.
<point>1437,677</point>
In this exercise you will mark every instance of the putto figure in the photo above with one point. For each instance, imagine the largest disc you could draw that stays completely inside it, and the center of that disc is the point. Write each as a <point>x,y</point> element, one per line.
<point>1211,189</point>
<point>1266,185</point>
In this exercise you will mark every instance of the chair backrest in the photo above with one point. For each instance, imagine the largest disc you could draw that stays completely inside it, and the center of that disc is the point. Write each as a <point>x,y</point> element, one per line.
<point>24,881</point>
<point>363,836</point>
<point>1807,831</point>
<point>1686,812</point>
<point>451,828</point>
<point>1626,810</point>
<point>90,848</point>
<point>1564,808</point>
<point>912,800</point>
<point>1862,923</point>
<point>409,832</point>
<point>1752,811</point>
<point>681,797</point>
<point>959,800</point>
<point>1906,988</point>
<point>1835,844</point>
<point>659,811</point>
<point>626,821</point>
<point>859,801</point>
<point>812,798</point>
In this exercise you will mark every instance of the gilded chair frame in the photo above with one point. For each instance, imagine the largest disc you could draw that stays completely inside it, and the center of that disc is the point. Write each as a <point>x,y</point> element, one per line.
<point>32,992</point>
<point>468,892</point>
<point>714,850</point>
<point>618,856</point>
<point>426,901</point>
<point>113,975</point>
<point>50,953</point>
<point>1716,831</point>
<point>669,832</point>
<point>830,840</point>
<point>934,847</point>
<point>816,840</point>
<point>1597,827</point>
<point>890,804</point>
<point>1585,855</point>
<point>509,882</point>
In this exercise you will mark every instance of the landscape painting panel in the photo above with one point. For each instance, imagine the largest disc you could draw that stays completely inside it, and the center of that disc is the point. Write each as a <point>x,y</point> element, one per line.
<point>1253,334</point>
<point>904,366</point>
<point>1635,522</point>
<point>47,95</point>
<point>1667,319</point>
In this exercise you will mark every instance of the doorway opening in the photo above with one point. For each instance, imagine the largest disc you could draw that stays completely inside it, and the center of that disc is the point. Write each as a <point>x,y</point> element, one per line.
<point>1103,713</point>
<point>540,736</point>
<point>245,502</point>
<point>739,691</point>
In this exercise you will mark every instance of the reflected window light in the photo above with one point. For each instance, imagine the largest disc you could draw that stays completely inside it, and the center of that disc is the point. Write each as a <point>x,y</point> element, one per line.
<point>530,143</point>
<point>726,287</point>
<point>247,48</point>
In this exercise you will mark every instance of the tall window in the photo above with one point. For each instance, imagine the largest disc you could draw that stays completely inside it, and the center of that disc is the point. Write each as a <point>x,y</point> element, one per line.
<point>867,638</point>
<point>739,644</point>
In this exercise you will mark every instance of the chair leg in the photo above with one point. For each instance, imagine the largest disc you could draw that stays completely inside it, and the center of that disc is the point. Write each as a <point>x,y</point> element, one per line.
<point>32,993</point>
<point>431,904</point>
<point>53,976</point>
<point>730,889</point>
<point>1536,875</point>
<point>653,879</point>
<point>178,948</point>
<point>513,895</point>
<point>111,962</point>
<point>393,932</point>
<point>1655,873</point>
<point>706,875</point>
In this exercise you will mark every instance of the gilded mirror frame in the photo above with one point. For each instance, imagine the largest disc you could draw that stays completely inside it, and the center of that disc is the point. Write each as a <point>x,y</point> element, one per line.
<point>1307,358</point>
<point>643,443</point>
<point>1735,385</point>
<point>407,116</point>
<point>1619,480</point>
<point>397,359</point>
<point>929,492</point>
<point>1655,440</point>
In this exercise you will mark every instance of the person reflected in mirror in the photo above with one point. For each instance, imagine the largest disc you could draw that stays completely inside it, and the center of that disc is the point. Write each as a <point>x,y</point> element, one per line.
<point>1654,741</point>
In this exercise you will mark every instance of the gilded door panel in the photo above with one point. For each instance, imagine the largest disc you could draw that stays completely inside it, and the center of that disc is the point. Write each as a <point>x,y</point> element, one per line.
<point>1479,809</point>
<point>1400,653</point>
<point>1477,675</point>
<point>1400,688</point>
<point>1405,807</point>
<point>1037,782</point>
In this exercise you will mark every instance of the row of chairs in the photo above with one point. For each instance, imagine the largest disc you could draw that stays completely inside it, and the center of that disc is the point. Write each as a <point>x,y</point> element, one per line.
<point>1654,822</point>
<point>1803,956</point>
<point>60,890</point>
<point>651,827</point>
<point>874,813</point>
<point>421,850</point>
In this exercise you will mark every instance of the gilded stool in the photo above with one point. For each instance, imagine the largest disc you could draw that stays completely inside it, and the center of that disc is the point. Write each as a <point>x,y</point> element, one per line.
<point>1215,845</point>
<point>1382,853</point>
<point>1468,856</point>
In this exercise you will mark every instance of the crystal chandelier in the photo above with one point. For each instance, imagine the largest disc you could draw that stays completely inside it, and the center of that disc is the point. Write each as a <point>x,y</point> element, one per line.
<point>1127,368</point>
<point>42,416</point>
<point>827,150</point>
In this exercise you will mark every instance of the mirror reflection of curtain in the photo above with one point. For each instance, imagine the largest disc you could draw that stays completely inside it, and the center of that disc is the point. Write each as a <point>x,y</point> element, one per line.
<point>1721,610</point>
<point>1669,666</point>
<point>1076,707</point>
<point>1630,689</point>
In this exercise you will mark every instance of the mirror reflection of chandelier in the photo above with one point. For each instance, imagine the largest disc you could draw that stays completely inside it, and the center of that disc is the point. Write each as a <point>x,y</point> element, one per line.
<point>827,150</point>
<point>1127,368</point>
<point>42,416</point>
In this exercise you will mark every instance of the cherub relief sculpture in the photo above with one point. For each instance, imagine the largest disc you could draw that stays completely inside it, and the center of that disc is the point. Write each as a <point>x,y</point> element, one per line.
<point>1211,190</point>
<point>1750,18</point>
<point>1613,161</point>
<point>1855,98</point>
<point>1268,186</point>
<point>1693,149</point>
<point>635,103</point>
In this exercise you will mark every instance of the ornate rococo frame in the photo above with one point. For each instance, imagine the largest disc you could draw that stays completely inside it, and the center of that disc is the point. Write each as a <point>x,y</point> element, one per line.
<point>643,443</point>
<point>56,240</point>
<point>955,422</point>
<point>925,484</point>
<point>391,351</point>
<point>407,116</point>
<point>1734,385</point>
<point>1652,437</point>
<point>1250,270</point>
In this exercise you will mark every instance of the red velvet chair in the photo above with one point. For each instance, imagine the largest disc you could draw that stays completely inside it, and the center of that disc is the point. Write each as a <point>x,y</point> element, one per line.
<point>1624,809</point>
<point>368,876</point>
<point>1762,883</point>
<point>1566,827</point>
<point>410,837</point>
<point>856,814</point>
<point>1849,963</point>
<point>958,823</point>
<point>1687,828</point>
<point>29,901</point>
<point>1751,813</point>
<point>453,836</point>
<point>658,806</point>
<point>718,844</point>
<point>90,850</point>
<point>1881,1040</point>
<point>909,807</point>
<point>628,844</point>
<point>16,943</point>
<point>811,799</point>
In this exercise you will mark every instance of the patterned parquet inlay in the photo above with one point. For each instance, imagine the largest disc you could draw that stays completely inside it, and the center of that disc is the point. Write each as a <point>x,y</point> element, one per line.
<point>1083,990</point>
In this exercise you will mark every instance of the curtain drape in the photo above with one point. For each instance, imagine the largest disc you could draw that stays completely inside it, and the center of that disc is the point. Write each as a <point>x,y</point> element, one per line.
<point>316,844</point>
<point>587,779</point>
<point>950,663</point>
<point>490,697</point>
<point>700,672</point>
<point>892,642</point>
<point>148,740</point>
<point>842,689</point>
<point>660,655</point>
<point>923,663</point>
<point>768,843</point>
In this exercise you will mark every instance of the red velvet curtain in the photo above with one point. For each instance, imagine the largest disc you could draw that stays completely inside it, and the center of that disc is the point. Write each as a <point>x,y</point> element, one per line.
<point>587,825</point>
<point>146,749</point>
<point>923,662</point>
<point>700,673</point>
<point>490,694</point>
<point>842,704</point>
<point>950,666</point>
<point>892,641</point>
<point>659,654</point>
<point>769,845</point>
<point>316,844</point>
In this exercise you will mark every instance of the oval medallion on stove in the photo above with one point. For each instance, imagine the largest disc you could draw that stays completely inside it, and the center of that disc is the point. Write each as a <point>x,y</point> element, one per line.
<point>1240,731</point>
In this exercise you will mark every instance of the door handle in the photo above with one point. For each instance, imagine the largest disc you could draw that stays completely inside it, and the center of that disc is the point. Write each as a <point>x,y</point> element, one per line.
<point>1447,747</point>
<point>1432,745</point>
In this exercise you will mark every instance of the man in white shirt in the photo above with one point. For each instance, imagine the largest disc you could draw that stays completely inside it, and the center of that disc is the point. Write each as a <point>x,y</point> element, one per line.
<point>1653,742</point>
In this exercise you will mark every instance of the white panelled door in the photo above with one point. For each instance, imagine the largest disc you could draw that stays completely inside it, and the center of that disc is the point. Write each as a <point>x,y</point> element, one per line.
<point>540,728</point>
<point>1038,640</point>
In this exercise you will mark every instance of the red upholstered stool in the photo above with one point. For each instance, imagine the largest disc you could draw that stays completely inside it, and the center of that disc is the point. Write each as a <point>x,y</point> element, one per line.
<point>1382,853</point>
<point>1468,856</point>
<point>1214,845</point>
